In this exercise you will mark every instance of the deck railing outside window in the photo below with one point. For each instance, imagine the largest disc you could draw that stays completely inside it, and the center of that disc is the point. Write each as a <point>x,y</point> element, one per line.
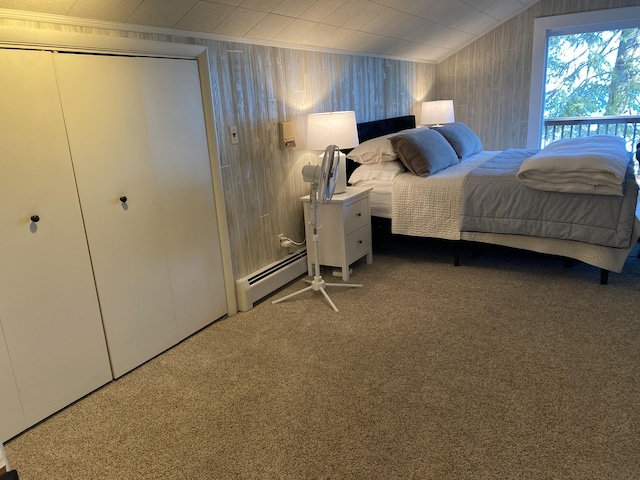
<point>627,127</point>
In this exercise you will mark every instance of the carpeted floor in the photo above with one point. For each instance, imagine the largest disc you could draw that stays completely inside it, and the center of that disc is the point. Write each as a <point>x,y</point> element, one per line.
<point>507,367</point>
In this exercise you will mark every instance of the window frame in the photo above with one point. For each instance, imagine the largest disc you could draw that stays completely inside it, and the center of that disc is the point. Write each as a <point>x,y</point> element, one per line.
<point>545,27</point>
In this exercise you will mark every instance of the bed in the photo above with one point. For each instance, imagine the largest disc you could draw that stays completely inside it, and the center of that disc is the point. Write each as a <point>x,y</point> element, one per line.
<point>435,201</point>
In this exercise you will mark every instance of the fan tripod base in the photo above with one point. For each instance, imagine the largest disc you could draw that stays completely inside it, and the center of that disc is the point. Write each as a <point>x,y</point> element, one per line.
<point>318,284</point>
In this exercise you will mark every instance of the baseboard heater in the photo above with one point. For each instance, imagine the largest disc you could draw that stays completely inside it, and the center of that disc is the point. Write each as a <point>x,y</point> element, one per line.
<point>257,285</point>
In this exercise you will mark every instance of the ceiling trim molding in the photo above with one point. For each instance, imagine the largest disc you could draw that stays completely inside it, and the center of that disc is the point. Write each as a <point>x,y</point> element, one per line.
<point>181,36</point>
<point>30,36</point>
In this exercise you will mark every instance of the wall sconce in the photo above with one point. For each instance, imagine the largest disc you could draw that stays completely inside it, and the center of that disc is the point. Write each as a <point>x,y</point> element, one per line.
<point>333,128</point>
<point>437,112</point>
<point>287,132</point>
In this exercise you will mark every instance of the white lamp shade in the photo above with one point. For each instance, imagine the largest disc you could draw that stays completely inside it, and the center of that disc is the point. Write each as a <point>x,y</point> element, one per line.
<point>437,112</point>
<point>333,128</point>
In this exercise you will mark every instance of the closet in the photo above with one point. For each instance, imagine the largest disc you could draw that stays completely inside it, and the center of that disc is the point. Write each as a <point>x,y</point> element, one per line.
<point>110,251</point>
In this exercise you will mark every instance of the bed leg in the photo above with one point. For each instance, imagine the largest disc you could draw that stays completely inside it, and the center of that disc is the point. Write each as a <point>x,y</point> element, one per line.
<point>604,276</point>
<point>456,259</point>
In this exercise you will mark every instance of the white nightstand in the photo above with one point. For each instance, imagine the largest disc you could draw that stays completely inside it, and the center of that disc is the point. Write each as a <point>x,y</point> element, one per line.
<point>344,230</point>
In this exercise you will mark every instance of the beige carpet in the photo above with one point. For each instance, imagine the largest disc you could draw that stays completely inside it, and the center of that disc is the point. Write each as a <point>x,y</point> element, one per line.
<point>507,367</point>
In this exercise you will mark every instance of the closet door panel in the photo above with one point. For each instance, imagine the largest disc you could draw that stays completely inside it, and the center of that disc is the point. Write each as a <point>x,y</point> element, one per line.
<point>111,152</point>
<point>173,102</point>
<point>48,305</point>
<point>12,420</point>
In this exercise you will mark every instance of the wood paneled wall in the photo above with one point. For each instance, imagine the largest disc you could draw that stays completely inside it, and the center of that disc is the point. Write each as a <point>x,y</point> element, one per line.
<point>254,88</point>
<point>490,79</point>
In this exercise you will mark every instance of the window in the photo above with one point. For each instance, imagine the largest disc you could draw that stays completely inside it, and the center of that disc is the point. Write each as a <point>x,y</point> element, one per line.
<point>592,85</point>
<point>545,28</point>
<point>593,74</point>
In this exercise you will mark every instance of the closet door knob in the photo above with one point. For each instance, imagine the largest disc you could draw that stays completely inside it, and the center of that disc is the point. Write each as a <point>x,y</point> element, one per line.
<point>123,199</point>
<point>35,218</point>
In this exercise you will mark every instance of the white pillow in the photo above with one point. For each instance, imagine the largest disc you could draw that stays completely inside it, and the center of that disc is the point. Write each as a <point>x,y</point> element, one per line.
<point>386,171</point>
<point>376,150</point>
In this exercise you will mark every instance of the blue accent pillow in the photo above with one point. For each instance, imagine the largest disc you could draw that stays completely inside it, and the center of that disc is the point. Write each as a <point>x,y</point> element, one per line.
<point>424,151</point>
<point>463,140</point>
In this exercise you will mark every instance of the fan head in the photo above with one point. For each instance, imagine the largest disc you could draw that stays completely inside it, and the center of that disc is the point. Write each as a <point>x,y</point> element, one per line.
<point>323,177</point>
<point>328,173</point>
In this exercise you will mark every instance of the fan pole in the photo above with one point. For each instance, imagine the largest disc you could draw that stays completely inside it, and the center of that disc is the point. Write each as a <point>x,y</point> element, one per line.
<point>318,283</point>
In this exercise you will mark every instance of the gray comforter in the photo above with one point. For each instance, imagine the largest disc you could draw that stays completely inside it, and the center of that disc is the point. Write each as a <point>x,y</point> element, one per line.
<point>494,201</point>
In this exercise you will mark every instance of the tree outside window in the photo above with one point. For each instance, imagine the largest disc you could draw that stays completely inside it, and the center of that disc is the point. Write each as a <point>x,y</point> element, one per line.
<point>592,85</point>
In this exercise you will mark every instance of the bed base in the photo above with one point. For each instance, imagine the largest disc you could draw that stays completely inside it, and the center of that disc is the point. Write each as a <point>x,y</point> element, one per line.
<point>382,236</point>
<point>568,263</point>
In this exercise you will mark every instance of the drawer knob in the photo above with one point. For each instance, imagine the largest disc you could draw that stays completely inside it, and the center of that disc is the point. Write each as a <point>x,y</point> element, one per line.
<point>359,242</point>
<point>123,199</point>
<point>358,214</point>
<point>35,218</point>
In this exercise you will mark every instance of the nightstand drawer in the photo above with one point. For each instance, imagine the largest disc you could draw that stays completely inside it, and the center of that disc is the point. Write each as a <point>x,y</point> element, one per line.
<point>357,214</point>
<point>358,243</point>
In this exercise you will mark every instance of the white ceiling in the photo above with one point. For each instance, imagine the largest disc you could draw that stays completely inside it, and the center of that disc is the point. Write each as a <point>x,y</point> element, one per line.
<point>418,30</point>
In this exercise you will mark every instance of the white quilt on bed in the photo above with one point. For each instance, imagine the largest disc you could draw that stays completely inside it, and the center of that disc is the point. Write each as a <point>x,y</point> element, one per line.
<point>430,207</point>
<point>594,165</point>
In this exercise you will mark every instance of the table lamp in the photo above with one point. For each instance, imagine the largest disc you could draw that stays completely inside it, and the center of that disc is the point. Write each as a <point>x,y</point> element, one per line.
<point>333,128</point>
<point>437,112</point>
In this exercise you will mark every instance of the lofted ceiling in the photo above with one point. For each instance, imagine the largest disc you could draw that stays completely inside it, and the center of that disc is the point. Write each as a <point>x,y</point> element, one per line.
<point>417,30</point>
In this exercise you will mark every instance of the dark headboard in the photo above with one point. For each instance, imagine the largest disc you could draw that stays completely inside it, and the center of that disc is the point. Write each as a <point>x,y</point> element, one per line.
<point>377,128</point>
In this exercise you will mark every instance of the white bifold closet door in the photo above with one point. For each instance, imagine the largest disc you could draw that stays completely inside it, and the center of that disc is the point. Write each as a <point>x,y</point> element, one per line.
<point>138,145</point>
<point>52,334</point>
<point>183,176</point>
<point>11,419</point>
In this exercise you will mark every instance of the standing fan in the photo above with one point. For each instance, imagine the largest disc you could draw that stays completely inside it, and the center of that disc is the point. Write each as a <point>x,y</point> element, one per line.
<point>323,183</point>
<point>328,173</point>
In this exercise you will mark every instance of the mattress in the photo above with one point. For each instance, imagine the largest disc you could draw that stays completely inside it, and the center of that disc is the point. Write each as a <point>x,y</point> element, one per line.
<point>430,207</point>
<point>379,197</point>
